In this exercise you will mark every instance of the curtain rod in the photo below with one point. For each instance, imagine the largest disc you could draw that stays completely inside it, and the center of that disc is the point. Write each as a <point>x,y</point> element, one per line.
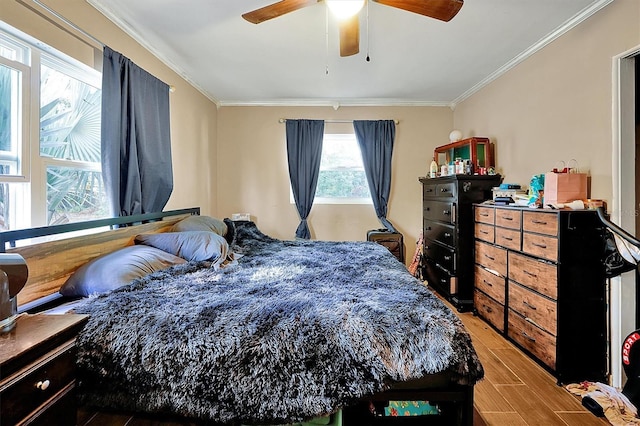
<point>69,23</point>
<point>284,120</point>
<point>172,88</point>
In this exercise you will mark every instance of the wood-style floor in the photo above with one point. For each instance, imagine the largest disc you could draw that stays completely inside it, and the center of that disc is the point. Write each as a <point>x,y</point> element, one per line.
<point>515,391</point>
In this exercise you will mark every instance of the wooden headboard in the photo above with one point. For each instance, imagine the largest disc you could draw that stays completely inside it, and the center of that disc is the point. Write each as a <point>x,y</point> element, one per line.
<point>51,262</point>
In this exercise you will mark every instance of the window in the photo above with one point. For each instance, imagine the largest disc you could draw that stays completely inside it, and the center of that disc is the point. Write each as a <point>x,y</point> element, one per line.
<point>50,171</point>
<point>342,179</point>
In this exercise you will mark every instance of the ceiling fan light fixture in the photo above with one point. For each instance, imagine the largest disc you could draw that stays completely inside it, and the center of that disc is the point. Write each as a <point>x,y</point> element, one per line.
<point>344,9</point>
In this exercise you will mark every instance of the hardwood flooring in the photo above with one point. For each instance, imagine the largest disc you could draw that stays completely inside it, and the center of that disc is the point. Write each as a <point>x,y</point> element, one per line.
<point>515,391</point>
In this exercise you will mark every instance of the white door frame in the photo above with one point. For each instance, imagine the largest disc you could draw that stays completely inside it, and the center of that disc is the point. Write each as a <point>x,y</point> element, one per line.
<point>623,209</point>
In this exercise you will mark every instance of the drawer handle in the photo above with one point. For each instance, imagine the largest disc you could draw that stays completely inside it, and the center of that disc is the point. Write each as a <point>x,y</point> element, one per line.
<point>507,238</point>
<point>488,309</point>
<point>446,212</point>
<point>529,305</point>
<point>444,190</point>
<point>484,214</point>
<point>487,283</point>
<point>484,232</point>
<point>489,257</point>
<point>428,208</point>
<point>507,218</point>
<point>528,337</point>
<point>428,228</point>
<point>539,245</point>
<point>447,235</point>
<point>447,258</point>
<point>531,274</point>
<point>43,385</point>
<point>429,190</point>
<point>539,222</point>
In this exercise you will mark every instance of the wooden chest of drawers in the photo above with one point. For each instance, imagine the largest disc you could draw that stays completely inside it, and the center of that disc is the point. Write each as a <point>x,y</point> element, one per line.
<point>540,280</point>
<point>37,370</point>
<point>447,206</point>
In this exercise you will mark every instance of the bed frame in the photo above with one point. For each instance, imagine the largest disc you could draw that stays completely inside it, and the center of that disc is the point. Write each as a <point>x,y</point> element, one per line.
<point>50,263</point>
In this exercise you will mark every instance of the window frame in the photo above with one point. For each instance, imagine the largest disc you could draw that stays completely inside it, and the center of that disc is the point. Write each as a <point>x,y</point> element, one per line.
<point>28,193</point>
<point>23,125</point>
<point>350,137</point>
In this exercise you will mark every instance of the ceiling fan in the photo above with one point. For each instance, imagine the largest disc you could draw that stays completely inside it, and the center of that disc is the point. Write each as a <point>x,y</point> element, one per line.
<point>443,10</point>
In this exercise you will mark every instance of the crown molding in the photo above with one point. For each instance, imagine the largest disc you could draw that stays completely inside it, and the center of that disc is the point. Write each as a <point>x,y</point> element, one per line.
<point>565,27</point>
<point>335,104</point>
<point>137,37</point>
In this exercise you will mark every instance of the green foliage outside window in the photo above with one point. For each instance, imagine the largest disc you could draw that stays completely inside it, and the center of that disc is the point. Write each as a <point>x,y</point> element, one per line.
<point>342,184</point>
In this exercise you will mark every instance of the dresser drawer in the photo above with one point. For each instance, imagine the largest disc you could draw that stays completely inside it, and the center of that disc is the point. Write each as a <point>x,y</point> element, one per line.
<point>489,309</point>
<point>439,210</point>
<point>540,343</point>
<point>509,218</point>
<point>446,189</point>
<point>443,256</point>
<point>509,238</point>
<point>491,257</point>
<point>428,191</point>
<point>484,232</point>
<point>439,190</point>
<point>485,215</point>
<point>440,279</point>
<point>540,223</point>
<point>490,284</point>
<point>30,387</point>
<point>537,275</point>
<point>544,246</point>
<point>541,311</point>
<point>439,232</point>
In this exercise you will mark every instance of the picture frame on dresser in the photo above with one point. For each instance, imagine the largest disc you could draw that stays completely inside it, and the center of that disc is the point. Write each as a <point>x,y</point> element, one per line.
<point>478,150</point>
<point>540,281</point>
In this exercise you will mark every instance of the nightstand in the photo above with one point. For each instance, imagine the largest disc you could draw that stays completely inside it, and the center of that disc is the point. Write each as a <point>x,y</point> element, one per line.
<point>38,370</point>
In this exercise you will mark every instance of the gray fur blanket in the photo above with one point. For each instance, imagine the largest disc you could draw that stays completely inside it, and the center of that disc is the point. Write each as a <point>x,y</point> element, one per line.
<point>292,330</point>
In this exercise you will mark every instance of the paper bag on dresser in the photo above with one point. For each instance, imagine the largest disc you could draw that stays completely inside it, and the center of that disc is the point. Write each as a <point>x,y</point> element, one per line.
<point>564,187</point>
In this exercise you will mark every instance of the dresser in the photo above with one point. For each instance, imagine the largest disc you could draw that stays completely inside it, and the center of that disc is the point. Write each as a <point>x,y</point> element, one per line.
<point>540,280</point>
<point>37,370</point>
<point>447,218</point>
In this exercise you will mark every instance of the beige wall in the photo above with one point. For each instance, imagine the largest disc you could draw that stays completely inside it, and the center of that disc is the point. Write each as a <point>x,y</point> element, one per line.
<point>253,173</point>
<point>193,116</point>
<point>556,105</point>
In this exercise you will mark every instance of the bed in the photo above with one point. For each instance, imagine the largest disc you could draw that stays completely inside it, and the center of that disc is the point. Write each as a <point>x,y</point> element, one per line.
<point>264,331</point>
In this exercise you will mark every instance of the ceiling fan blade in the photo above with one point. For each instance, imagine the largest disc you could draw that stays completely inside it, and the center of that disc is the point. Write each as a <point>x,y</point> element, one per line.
<point>350,36</point>
<point>444,10</point>
<point>276,9</point>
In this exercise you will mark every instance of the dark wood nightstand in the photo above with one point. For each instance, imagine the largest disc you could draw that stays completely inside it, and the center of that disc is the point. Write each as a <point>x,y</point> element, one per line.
<point>38,370</point>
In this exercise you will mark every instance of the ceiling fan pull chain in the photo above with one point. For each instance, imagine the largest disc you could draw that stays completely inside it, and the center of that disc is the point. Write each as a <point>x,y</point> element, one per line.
<point>326,40</point>
<point>368,58</point>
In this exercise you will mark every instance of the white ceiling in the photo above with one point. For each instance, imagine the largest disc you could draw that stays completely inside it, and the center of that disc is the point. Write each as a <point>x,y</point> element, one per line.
<point>294,60</point>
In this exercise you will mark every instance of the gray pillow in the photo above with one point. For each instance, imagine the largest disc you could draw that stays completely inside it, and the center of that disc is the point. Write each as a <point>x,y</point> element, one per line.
<point>201,223</point>
<point>113,270</point>
<point>189,245</point>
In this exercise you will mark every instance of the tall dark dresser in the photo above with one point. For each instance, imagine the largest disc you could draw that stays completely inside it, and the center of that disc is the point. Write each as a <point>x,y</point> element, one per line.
<point>448,229</point>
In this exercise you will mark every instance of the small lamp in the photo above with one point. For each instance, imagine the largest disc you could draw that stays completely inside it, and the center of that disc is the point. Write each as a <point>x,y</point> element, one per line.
<point>13,277</point>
